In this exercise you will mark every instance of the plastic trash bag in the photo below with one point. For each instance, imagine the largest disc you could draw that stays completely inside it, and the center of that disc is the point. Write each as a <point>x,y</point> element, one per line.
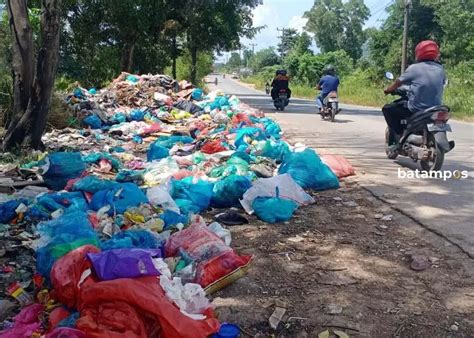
<point>157,172</point>
<point>61,167</point>
<point>274,209</point>
<point>170,141</point>
<point>197,94</point>
<point>62,200</point>
<point>266,187</point>
<point>157,152</point>
<point>60,236</point>
<point>7,209</point>
<point>67,272</point>
<point>96,157</point>
<point>309,171</point>
<point>25,323</point>
<point>143,239</point>
<point>339,165</point>
<point>220,231</point>
<point>93,121</point>
<point>136,115</point>
<point>119,198</point>
<point>172,218</point>
<point>140,309</point>
<point>213,257</point>
<point>212,147</point>
<point>228,191</point>
<point>124,263</point>
<point>190,298</point>
<point>92,184</point>
<point>276,150</point>
<point>160,196</point>
<point>251,133</point>
<point>198,193</point>
<point>66,332</point>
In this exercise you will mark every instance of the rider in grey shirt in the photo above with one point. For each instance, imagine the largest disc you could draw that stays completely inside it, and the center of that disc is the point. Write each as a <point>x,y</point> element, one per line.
<point>426,81</point>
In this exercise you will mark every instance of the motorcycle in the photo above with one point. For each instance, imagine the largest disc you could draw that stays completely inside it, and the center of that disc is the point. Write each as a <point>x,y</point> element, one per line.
<point>330,107</point>
<point>424,138</point>
<point>282,100</point>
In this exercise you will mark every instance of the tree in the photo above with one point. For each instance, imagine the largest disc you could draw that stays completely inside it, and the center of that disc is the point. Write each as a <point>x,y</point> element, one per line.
<point>263,58</point>
<point>337,25</point>
<point>302,44</point>
<point>287,41</point>
<point>216,25</point>
<point>234,61</point>
<point>32,87</point>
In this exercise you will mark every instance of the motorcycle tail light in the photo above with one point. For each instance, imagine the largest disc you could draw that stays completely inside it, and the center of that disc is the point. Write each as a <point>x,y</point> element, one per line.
<point>440,116</point>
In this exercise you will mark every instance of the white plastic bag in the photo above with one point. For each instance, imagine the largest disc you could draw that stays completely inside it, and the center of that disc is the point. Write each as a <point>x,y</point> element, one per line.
<point>220,231</point>
<point>160,196</point>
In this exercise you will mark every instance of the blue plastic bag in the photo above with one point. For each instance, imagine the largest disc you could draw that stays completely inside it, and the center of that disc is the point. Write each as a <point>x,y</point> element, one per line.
<point>63,235</point>
<point>197,94</point>
<point>228,191</point>
<point>171,218</point>
<point>274,209</point>
<point>198,195</point>
<point>62,200</point>
<point>132,78</point>
<point>170,141</point>
<point>93,121</point>
<point>143,239</point>
<point>63,167</point>
<point>118,118</point>
<point>96,157</point>
<point>92,184</point>
<point>120,197</point>
<point>251,132</point>
<point>7,209</point>
<point>157,152</point>
<point>276,150</point>
<point>137,115</point>
<point>307,169</point>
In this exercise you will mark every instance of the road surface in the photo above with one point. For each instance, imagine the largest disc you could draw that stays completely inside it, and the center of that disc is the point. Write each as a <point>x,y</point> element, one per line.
<point>445,207</point>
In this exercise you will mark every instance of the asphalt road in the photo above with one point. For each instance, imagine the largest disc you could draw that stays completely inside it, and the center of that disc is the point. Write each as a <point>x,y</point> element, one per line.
<point>444,206</point>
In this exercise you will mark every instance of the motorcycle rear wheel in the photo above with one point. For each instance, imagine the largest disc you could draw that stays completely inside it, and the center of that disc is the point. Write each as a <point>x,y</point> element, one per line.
<point>390,153</point>
<point>437,162</point>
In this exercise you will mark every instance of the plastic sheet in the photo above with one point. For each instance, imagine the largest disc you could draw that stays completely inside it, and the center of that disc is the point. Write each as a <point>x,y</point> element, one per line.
<point>228,191</point>
<point>309,171</point>
<point>124,263</point>
<point>157,152</point>
<point>139,309</point>
<point>266,187</point>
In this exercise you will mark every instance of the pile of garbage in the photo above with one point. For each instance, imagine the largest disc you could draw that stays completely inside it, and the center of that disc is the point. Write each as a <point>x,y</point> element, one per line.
<point>116,213</point>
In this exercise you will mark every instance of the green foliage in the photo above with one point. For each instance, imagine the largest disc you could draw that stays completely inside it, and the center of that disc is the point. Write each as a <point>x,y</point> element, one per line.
<point>234,61</point>
<point>338,25</point>
<point>263,58</point>
<point>287,41</point>
<point>183,66</point>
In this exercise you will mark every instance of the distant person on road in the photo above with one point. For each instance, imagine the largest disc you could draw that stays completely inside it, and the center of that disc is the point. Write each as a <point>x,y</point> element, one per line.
<point>328,83</point>
<point>426,79</point>
<point>280,81</point>
<point>215,81</point>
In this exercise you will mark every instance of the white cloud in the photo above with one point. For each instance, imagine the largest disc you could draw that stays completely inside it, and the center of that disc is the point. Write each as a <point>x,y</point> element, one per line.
<point>298,23</point>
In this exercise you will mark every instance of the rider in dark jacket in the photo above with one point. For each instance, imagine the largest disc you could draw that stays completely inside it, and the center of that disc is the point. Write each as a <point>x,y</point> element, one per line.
<point>280,81</point>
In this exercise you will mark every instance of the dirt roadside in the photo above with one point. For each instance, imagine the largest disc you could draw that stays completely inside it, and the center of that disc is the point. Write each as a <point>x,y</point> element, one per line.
<point>337,265</point>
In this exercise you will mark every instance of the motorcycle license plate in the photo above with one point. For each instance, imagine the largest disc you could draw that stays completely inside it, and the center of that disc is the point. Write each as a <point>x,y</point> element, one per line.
<point>332,100</point>
<point>439,127</point>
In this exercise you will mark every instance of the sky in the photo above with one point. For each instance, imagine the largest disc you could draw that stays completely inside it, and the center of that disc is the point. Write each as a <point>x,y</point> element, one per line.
<point>289,14</point>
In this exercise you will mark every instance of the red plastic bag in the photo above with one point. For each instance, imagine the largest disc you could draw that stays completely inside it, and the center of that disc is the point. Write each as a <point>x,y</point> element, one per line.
<point>339,165</point>
<point>67,271</point>
<point>213,147</point>
<point>213,257</point>
<point>57,315</point>
<point>135,308</point>
<point>241,117</point>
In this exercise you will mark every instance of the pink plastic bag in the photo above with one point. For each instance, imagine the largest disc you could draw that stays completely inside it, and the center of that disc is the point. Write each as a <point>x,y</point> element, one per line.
<point>339,165</point>
<point>66,332</point>
<point>26,323</point>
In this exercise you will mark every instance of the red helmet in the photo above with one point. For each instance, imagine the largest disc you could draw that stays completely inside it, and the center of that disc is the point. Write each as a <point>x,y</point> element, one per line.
<point>427,50</point>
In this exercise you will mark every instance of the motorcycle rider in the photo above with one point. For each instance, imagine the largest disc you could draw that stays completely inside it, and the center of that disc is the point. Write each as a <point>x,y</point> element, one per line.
<point>425,79</point>
<point>328,83</point>
<point>280,81</point>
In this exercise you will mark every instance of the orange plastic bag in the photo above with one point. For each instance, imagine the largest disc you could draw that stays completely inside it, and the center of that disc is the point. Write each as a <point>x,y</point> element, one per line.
<point>213,147</point>
<point>136,308</point>
<point>66,274</point>
<point>339,165</point>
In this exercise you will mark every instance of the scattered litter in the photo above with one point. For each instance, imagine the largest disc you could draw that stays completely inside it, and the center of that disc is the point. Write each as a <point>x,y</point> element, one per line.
<point>277,315</point>
<point>351,204</point>
<point>419,262</point>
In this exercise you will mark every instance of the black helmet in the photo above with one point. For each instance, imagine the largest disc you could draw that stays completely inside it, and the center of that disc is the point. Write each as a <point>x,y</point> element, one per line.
<point>329,70</point>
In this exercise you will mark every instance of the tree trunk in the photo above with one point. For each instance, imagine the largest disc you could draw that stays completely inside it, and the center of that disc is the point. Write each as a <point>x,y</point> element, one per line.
<point>193,51</point>
<point>126,63</point>
<point>175,56</point>
<point>30,127</point>
<point>22,56</point>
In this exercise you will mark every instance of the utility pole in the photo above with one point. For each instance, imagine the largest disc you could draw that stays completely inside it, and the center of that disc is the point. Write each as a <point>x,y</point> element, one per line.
<point>282,36</point>
<point>405,35</point>
<point>253,52</point>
